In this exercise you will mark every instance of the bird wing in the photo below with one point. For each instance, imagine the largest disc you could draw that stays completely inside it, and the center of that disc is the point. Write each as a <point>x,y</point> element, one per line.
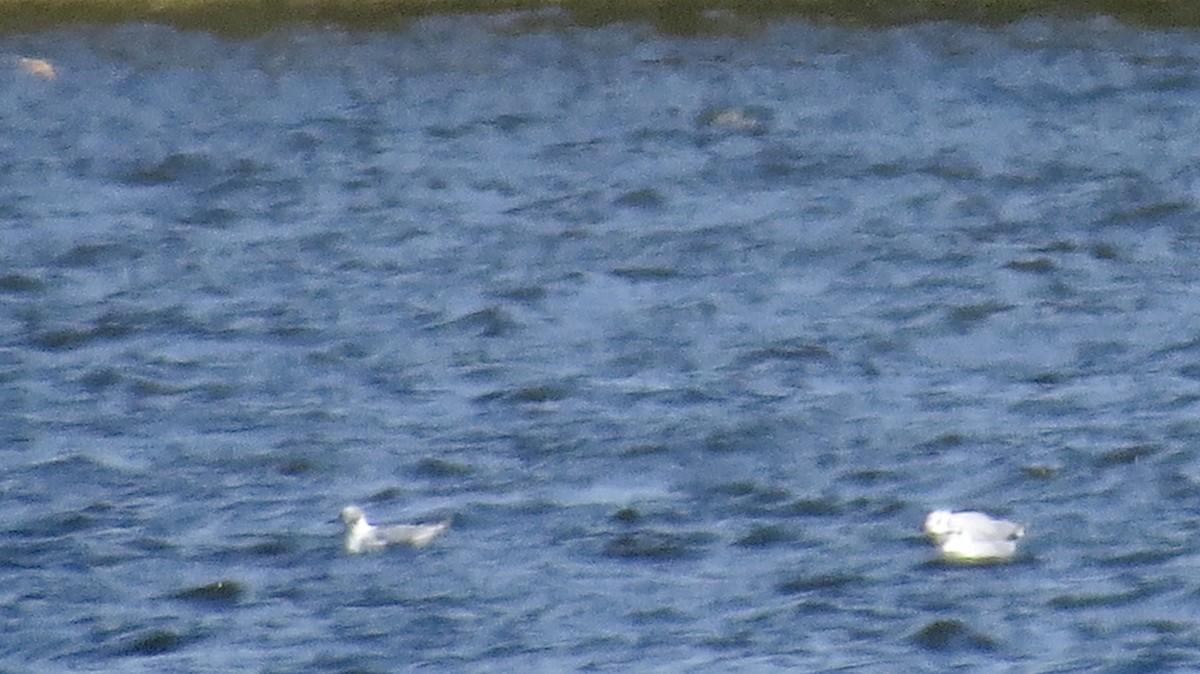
<point>965,548</point>
<point>412,534</point>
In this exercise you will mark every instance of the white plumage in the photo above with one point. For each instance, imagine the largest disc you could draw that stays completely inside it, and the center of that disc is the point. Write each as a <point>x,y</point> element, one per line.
<point>362,536</point>
<point>960,547</point>
<point>973,536</point>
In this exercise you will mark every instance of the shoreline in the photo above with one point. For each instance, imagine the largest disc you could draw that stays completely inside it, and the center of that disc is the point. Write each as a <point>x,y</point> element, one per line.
<point>677,16</point>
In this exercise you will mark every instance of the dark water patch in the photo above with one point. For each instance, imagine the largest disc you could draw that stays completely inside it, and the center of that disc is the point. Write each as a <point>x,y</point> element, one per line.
<point>1036,265</point>
<point>525,294</point>
<point>744,498</point>
<point>751,439</point>
<point>787,350</point>
<point>1167,626</point>
<point>1190,346</point>
<point>183,167</point>
<point>820,583</point>
<point>431,615</point>
<point>153,642</point>
<point>952,635</point>
<point>631,364</point>
<point>1129,454</point>
<point>647,199</point>
<point>627,516</point>
<point>148,388</point>
<point>657,546</point>
<point>386,495</point>
<point>966,317</point>
<point>20,284</point>
<point>954,169</point>
<point>765,535</point>
<point>1108,600</point>
<point>67,524</point>
<point>435,468</point>
<point>884,506</point>
<point>1049,407</point>
<point>297,467</point>
<point>662,273</point>
<point>734,640</point>
<point>66,339</point>
<point>31,553</point>
<point>153,546</point>
<point>1183,487</point>
<point>945,441</point>
<point>659,615</point>
<point>1139,558</point>
<point>115,325</point>
<point>735,489</point>
<point>100,379</point>
<point>1156,659</point>
<point>509,123</point>
<point>646,449</point>
<point>783,166</point>
<point>82,471</point>
<point>274,546</point>
<point>211,217</point>
<point>869,476</point>
<point>282,545</point>
<point>1189,371</point>
<point>341,664</point>
<point>450,132</point>
<point>491,322</point>
<point>98,254</point>
<point>577,210</point>
<point>213,391</point>
<point>242,176</point>
<point>1105,251</point>
<point>222,593</point>
<point>816,607</point>
<point>1048,378</point>
<point>324,243</point>
<point>519,648</point>
<point>820,506</point>
<point>1058,246</point>
<point>1150,214</point>
<point>664,514</point>
<point>545,393</point>
<point>1101,354</point>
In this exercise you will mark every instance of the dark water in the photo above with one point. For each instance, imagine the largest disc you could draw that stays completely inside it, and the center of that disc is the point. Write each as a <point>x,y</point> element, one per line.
<point>687,334</point>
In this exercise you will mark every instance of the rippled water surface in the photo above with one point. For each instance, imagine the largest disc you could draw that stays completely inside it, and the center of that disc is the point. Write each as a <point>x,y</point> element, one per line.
<point>685,333</point>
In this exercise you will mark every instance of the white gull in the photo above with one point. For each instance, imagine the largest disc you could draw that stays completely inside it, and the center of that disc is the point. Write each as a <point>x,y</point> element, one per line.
<point>362,536</point>
<point>973,536</point>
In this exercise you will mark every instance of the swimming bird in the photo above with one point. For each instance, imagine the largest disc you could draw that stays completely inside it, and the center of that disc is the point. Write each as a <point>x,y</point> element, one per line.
<point>362,536</point>
<point>965,548</point>
<point>972,536</point>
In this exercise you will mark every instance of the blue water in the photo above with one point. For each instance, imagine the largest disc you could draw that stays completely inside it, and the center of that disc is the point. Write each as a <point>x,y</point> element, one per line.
<point>686,334</point>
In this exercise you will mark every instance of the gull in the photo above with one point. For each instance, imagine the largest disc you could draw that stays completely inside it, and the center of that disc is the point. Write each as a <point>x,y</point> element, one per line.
<point>362,536</point>
<point>972,536</point>
<point>964,548</point>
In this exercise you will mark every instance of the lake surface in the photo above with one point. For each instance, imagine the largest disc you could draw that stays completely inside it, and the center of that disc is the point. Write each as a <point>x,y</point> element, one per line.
<point>685,333</point>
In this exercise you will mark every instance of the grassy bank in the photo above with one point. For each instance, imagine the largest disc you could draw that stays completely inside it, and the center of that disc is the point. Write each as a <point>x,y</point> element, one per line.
<point>250,16</point>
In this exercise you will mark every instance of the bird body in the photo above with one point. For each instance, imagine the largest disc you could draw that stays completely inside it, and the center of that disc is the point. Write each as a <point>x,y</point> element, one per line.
<point>362,536</point>
<point>963,548</point>
<point>973,536</point>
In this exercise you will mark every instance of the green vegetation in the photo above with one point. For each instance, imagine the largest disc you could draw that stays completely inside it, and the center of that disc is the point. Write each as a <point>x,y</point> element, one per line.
<point>676,16</point>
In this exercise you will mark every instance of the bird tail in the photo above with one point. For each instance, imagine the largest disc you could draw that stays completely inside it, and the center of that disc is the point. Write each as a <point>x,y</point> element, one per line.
<point>429,533</point>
